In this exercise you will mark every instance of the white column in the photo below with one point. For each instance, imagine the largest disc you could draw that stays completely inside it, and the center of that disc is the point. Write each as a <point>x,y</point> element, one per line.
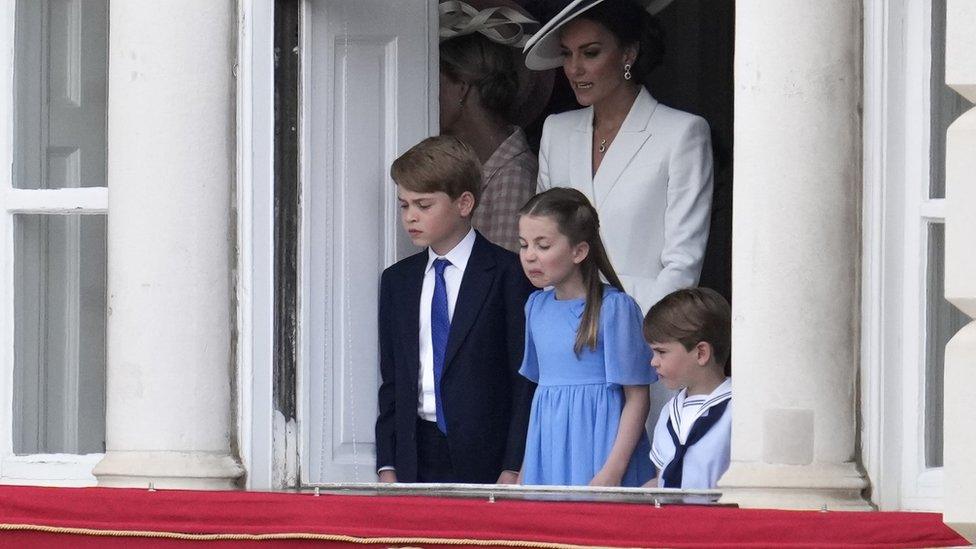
<point>795,255</point>
<point>959,452</point>
<point>171,142</point>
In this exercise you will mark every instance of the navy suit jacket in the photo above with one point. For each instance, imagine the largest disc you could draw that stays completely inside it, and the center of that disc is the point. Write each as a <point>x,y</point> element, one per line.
<point>486,402</point>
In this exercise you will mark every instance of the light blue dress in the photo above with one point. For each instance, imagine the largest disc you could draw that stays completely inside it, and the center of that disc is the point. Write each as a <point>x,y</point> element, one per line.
<point>577,406</point>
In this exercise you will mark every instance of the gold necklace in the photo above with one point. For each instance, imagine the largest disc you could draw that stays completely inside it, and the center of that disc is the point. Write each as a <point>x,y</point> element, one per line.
<point>605,142</point>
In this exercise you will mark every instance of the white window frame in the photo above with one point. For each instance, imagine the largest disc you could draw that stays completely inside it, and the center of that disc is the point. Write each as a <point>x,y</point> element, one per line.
<point>255,230</point>
<point>896,213</point>
<point>51,469</point>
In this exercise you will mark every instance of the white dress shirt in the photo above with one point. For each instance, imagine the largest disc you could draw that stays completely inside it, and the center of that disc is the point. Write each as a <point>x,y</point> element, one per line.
<point>453,273</point>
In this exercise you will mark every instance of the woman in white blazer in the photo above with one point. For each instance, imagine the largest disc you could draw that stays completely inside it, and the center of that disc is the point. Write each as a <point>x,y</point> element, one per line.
<point>646,167</point>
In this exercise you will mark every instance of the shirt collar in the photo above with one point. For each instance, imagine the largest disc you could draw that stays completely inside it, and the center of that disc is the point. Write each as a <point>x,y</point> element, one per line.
<point>458,256</point>
<point>722,390</point>
<point>638,117</point>
<point>683,425</point>
<point>718,394</point>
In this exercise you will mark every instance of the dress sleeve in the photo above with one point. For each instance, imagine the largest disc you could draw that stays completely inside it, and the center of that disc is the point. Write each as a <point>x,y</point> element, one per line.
<point>626,354</point>
<point>530,360</point>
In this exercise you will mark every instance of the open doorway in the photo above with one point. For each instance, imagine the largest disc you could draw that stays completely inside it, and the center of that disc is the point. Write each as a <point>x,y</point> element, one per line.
<point>364,90</point>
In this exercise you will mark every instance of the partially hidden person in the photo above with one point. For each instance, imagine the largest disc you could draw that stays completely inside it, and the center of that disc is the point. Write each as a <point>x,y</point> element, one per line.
<point>583,346</point>
<point>690,333</point>
<point>452,407</point>
<point>487,96</point>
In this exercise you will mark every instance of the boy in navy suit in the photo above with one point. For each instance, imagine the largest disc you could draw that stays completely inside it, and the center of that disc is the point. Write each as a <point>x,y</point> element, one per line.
<point>452,406</point>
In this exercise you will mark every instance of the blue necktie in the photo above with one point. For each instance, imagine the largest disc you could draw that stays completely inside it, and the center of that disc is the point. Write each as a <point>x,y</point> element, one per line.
<point>440,328</point>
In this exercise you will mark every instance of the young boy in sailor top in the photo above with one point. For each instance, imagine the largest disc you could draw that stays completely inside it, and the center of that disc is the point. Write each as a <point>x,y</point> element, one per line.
<point>689,331</point>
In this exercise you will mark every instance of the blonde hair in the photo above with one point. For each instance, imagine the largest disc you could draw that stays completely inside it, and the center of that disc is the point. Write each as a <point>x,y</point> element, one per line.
<point>577,219</point>
<point>442,163</point>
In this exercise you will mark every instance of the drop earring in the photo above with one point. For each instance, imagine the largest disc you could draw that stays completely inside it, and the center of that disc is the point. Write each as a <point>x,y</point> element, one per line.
<point>627,75</point>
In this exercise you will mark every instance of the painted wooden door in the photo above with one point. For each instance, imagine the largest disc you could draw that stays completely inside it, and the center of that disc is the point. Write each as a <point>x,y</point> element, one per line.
<point>370,93</point>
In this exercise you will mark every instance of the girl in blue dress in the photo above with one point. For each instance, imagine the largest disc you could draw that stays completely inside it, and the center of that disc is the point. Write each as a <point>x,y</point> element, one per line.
<point>584,348</point>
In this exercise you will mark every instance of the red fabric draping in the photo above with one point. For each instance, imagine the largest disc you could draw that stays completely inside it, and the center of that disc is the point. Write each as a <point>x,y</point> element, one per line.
<point>426,521</point>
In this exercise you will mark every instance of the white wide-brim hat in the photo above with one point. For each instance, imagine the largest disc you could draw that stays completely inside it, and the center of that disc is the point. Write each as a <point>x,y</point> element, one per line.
<point>542,51</point>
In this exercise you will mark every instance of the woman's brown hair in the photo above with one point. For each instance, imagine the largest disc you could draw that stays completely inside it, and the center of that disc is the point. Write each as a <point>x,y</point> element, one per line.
<point>577,219</point>
<point>485,65</point>
<point>631,24</point>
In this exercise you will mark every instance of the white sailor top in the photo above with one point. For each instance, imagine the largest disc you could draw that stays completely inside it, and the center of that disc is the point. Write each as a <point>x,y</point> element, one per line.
<point>692,439</point>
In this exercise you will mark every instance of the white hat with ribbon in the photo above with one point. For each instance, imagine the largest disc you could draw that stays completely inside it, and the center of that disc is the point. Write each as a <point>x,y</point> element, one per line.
<point>499,23</point>
<point>506,23</point>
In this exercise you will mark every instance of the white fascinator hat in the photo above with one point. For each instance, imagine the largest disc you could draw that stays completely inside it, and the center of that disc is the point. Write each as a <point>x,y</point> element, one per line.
<point>542,49</point>
<point>509,24</point>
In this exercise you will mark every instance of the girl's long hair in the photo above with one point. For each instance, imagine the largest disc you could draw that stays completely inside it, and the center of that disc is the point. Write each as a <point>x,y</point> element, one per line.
<point>577,219</point>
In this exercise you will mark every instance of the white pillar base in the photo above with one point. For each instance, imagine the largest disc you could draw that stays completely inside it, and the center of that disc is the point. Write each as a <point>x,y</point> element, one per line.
<point>176,470</point>
<point>811,487</point>
<point>959,468</point>
<point>964,529</point>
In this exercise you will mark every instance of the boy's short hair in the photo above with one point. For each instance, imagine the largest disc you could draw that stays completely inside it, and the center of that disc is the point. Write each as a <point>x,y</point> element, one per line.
<point>442,163</point>
<point>689,316</point>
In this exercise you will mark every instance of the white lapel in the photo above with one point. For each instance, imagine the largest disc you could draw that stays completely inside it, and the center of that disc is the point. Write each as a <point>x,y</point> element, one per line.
<point>633,133</point>
<point>581,160</point>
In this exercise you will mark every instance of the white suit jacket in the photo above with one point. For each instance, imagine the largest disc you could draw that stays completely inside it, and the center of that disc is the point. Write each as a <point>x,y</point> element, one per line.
<point>653,191</point>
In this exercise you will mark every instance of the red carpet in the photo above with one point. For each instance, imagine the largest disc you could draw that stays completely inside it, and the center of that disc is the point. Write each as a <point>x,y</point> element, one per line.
<point>102,517</point>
